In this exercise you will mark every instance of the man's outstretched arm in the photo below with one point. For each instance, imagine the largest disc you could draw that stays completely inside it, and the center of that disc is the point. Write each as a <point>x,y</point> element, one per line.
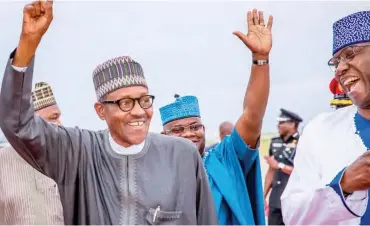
<point>259,41</point>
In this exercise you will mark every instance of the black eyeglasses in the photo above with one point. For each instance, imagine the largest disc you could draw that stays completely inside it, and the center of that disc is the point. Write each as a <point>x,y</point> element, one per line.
<point>127,104</point>
<point>181,129</point>
<point>346,56</point>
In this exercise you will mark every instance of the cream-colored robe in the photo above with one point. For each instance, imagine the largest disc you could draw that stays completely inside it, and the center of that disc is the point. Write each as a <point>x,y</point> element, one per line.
<point>26,195</point>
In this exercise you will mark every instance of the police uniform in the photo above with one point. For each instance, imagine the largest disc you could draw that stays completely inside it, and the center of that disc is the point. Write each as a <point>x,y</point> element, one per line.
<point>340,99</point>
<point>284,152</point>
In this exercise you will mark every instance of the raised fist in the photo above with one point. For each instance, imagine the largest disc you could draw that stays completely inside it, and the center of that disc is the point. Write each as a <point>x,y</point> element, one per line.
<point>37,17</point>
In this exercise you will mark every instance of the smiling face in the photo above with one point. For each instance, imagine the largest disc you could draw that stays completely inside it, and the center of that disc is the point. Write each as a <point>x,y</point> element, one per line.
<point>126,128</point>
<point>354,74</point>
<point>189,128</point>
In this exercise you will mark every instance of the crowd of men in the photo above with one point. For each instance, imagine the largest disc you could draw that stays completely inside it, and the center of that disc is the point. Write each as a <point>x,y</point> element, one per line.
<point>51,174</point>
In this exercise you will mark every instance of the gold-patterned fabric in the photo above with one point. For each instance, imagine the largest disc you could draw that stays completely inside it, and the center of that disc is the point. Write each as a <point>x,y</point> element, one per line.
<point>27,197</point>
<point>42,96</point>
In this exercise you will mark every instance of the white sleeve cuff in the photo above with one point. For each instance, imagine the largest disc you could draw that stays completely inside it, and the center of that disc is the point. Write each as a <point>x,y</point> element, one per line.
<point>357,202</point>
<point>19,69</point>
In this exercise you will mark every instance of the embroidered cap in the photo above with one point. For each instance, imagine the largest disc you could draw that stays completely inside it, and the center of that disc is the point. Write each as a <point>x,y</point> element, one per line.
<point>340,98</point>
<point>42,96</point>
<point>183,107</point>
<point>117,73</point>
<point>352,29</point>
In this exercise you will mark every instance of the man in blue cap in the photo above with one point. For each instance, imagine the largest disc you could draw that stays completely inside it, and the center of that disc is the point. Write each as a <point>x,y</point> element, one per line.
<point>331,177</point>
<point>280,161</point>
<point>233,166</point>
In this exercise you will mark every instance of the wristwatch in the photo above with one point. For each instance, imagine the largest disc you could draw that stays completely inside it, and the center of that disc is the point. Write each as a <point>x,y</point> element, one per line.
<point>281,165</point>
<point>260,62</point>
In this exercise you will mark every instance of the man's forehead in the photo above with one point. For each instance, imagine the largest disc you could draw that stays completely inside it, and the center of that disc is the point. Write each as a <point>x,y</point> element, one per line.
<point>350,48</point>
<point>53,109</point>
<point>132,91</point>
<point>183,122</point>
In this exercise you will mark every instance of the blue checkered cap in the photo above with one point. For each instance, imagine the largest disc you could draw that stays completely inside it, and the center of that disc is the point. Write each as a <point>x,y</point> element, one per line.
<point>183,107</point>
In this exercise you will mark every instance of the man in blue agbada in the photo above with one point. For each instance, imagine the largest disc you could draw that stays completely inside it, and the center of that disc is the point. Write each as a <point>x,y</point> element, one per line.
<point>233,166</point>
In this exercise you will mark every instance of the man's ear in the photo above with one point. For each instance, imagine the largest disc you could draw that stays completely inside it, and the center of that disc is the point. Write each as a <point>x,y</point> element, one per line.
<point>99,108</point>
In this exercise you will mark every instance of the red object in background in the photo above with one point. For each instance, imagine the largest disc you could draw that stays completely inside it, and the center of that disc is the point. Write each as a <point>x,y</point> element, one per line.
<point>335,87</point>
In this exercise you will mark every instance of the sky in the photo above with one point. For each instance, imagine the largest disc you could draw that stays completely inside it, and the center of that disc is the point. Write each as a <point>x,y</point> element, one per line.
<point>184,47</point>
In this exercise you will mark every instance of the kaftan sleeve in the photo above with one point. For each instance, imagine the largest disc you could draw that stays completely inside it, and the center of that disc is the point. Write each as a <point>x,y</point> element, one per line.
<point>48,148</point>
<point>206,212</point>
<point>309,200</point>
<point>246,155</point>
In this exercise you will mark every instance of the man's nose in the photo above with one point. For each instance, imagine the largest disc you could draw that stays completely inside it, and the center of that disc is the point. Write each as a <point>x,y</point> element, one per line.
<point>187,133</point>
<point>137,110</point>
<point>341,69</point>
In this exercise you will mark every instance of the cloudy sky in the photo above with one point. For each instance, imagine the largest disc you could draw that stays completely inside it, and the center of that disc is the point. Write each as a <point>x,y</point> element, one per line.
<point>185,48</point>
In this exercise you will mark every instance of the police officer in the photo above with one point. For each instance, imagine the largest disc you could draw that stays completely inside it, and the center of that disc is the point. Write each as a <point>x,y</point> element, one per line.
<point>340,99</point>
<point>280,161</point>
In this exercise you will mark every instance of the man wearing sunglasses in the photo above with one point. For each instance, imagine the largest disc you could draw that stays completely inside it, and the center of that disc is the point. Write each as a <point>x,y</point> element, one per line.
<point>331,177</point>
<point>233,166</point>
<point>121,176</point>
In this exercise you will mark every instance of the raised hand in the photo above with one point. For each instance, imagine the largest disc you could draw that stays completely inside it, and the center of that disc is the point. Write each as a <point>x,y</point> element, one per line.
<point>37,17</point>
<point>259,37</point>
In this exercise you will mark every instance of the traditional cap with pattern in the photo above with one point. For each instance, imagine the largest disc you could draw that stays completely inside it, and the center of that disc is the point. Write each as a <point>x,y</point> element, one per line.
<point>183,107</point>
<point>117,73</point>
<point>42,96</point>
<point>340,98</point>
<point>352,29</point>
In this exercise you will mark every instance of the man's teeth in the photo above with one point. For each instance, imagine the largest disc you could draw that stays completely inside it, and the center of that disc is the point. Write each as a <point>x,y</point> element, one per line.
<point>350,81</point>
<point>136,123</point>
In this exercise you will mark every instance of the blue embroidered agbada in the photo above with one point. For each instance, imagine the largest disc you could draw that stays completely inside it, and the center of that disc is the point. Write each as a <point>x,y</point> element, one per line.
<point>233,171</point>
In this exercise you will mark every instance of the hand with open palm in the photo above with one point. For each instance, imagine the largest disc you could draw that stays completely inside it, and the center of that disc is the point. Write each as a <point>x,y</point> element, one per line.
<point>259,37</point>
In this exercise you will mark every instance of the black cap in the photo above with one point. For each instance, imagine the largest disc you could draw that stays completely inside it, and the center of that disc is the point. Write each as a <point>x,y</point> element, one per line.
<point>286,115</point>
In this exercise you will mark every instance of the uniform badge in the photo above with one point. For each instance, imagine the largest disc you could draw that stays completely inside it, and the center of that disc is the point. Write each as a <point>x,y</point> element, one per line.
<point>293,144</point>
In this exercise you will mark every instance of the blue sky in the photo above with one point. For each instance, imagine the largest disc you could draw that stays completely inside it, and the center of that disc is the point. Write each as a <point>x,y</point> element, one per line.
<point>185,48</point>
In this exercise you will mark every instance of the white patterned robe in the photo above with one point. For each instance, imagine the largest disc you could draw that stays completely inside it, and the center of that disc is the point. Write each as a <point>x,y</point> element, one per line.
<point>26,195</point>
<point>329,143</point>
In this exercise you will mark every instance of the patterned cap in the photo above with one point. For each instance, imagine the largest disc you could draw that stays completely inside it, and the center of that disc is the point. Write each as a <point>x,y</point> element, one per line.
<point>350,30</point>
<point>42,96</point>
<point>183,107</point>
<point>117,73</point>
<point>340,98</point>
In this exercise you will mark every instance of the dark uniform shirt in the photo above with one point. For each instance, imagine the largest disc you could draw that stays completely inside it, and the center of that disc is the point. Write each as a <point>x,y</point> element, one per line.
<point>283,152</point>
